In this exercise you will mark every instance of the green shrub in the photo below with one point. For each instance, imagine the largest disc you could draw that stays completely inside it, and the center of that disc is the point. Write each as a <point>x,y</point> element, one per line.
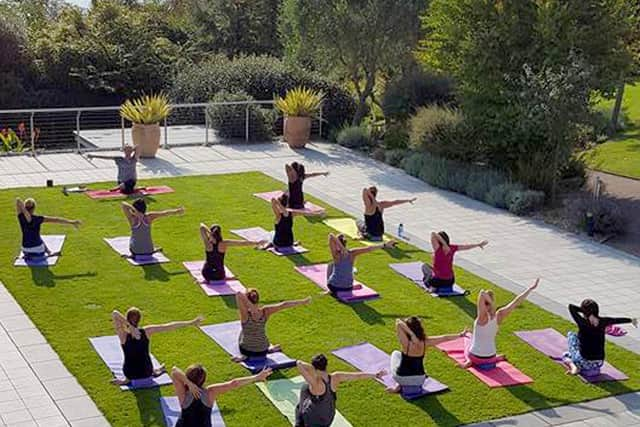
<point>395,157</point>
<point>379,154</point>
<point>498,195</point>
<point>262,77</point>
<point>408,92</point>
<point>229,120</point>
<point>608,215</point>
<point>396,137</point>
<point>525,201</point>
<point>440,131</point>
<point>354,137</point>
<point>413,164</point>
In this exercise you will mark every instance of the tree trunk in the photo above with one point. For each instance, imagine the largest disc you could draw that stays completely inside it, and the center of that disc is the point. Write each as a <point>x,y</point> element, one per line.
<point>362,100</point>
<point>615,114</point>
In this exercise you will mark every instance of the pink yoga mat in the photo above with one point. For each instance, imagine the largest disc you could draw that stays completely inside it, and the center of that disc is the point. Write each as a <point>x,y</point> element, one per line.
<point>229,286</point>
<point>259,233</point>
<point>553,344</point>
<point>308,206</point>
<point>148,191</point>
<point>318,275</point>
<point>504,374</point>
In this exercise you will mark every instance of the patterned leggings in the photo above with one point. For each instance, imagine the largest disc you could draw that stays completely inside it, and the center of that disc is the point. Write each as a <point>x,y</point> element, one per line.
<point>574,355</point>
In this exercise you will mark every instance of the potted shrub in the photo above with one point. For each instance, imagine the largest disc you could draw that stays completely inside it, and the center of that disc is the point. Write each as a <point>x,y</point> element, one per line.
<point>145,114</point>
<point>298,106</point>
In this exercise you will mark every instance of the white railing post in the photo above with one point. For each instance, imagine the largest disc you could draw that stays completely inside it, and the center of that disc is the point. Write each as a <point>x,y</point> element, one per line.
<point>166,137</point>
<point>206,127</point>
<point>246,123</point>
<point>320,124</point>
<point>33,134</point>
<point>78,130</point>
<point>122,142</point>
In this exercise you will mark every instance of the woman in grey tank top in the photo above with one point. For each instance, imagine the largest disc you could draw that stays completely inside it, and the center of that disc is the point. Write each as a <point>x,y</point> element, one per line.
<point>253,341</point>
<point>340,271</point>
<point>317,404</point>
<point>140,221</point>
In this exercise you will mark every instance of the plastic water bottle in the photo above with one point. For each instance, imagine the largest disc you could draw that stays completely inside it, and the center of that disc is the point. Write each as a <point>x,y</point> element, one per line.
<point>400,230</point>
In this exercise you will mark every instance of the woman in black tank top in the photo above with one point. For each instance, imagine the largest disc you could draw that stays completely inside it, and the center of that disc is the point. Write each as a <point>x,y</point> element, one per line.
<point>215,249</point>
<point>283,222</point>
<point>134,341</point>
<point>296,174</point>
<point>372,228</point>
<point>197,400</point>
<point>407,367</point>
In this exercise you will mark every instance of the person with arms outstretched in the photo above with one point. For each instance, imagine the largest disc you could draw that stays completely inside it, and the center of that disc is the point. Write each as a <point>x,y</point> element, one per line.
<point>283,222</point>
<point>372,228</point>
<point>127,168</point>
<point>296,175</point>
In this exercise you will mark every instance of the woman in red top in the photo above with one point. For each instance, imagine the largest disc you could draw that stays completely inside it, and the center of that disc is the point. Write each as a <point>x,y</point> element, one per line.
<point>441,277</point>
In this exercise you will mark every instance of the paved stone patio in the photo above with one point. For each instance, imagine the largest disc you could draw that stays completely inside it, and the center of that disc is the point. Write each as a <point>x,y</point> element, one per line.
<point>571,268</point>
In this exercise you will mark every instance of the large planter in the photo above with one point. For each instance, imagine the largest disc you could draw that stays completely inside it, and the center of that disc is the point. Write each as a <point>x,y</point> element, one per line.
<point>147,137</point>
<point>297,131</point>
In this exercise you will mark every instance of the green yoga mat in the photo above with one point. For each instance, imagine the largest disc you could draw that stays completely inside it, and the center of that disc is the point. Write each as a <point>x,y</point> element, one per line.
<point>347,226</point>
<point>284,395</point>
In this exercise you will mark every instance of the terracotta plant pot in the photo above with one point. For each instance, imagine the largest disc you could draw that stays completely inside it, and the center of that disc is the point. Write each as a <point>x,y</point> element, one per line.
<point>297,131</point>
<point>147,137</point>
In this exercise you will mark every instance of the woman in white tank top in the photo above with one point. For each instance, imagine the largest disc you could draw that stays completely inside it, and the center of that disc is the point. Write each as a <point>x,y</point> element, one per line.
<point>485,327</point>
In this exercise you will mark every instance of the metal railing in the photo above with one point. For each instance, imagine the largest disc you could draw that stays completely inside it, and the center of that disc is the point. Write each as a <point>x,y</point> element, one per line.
<point>101,128</point>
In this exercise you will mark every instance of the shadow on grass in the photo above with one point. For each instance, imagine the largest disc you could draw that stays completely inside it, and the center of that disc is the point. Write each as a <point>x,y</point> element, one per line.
<point>157,272</point>
<point>372,316</point>
<point>469,307</point>
<point>438,413</point>
<point>148,401</point>
<point>43,276</point>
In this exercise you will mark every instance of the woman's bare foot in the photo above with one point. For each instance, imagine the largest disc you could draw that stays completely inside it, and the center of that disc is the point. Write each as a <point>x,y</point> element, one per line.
<point>239,358</point>
<point>159,371</point>
<point>466,364</point>
<point>120,381</point>
<point>274,348</point>
<point>396,389</point>
<point>501,358</point>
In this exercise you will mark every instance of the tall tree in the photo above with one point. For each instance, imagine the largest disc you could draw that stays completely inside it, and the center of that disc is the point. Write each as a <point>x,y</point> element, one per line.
<point>354,40</point>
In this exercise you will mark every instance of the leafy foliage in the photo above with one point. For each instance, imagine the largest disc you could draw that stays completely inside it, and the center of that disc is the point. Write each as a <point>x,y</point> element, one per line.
<point>148,109</point>
<point>608,215</point>
<point>354,137</point>
<point>229,120</point>
<point>300,102</point>
<point>440,131</point>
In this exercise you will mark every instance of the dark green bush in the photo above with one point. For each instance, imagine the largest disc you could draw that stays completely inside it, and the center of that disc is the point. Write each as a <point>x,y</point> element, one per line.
<point>229,120</point>
<point>441,131</point>
<point>608,215</point>
<point>354,137</point>
<point>525,201</point>
<point>395,157</point>
<point>498,195</point>
<point>396,137</point>
<point>262,77</point>
<point>408,92</point>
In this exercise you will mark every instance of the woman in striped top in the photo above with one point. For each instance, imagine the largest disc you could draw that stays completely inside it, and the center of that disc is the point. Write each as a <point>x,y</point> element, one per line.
<point>253,341</point>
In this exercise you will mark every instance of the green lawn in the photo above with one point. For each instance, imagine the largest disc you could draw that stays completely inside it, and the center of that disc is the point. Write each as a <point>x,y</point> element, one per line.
<point>621,154</point>
<point>73,300</point>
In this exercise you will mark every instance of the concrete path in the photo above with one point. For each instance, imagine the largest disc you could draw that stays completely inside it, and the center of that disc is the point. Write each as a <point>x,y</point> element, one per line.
<point>520,250</point>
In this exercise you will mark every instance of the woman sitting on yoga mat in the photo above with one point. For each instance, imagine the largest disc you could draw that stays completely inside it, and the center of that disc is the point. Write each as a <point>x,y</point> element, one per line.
<point>295,176</point>
<point>197,400</point>
<point>407,366</point>
<point>135,343</point>
<point>215,249</point>
<point>317,404</point>
<point>141,243</point>
<point>127,174</point>
<point>586,348</point>
<point>32,244</point>
<point>372,228</point>
<point>340,271</point>
<point>283,226</point>
<point>253,341</point>
<point>441,276</point>
<point>482,351</point>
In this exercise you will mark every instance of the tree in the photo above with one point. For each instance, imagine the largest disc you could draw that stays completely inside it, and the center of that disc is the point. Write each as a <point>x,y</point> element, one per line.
<point>354,40</point>
<point>13,55</point>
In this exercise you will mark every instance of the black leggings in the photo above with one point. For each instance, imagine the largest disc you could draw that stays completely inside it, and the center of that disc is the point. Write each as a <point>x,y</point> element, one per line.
<point>434,282</point>
<point>211,275</point>
<point>250,353</point>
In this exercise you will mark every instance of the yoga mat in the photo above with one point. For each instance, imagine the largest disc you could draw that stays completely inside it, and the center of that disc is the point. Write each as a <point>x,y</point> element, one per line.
<point>226,335</point>
<point>615,331</point>
<point>171,411</point>
<point>121,246</point>
<point>413,272</point>
<point>368,358</point>
<point>148,191</point>
<point>504,374</point>
<point>308,206</point>
<point>348,227</point>
<point>553,344</point>
<point>318,274</point>
<point>54,243</point>
<point>259,233</point>
<point>285,393</point>
<point>110,351</point>
<point>228,286</point>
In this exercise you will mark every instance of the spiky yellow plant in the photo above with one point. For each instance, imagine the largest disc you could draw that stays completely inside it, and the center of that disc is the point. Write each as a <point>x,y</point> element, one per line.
<point>300,102</point>
<point>146,110</point>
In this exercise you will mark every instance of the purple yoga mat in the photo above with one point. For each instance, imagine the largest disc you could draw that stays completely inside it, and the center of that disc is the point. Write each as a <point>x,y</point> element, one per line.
<point>229,286</point>
<point>226,335</point>
<point>553,344</point>
<point>308,206</point>
<point>413,272</point>
<point>121,246</point>
<point>54,243</point>
<point>368,358</point>
<point>110,351</point>
<point>259,233</point>
<point>171,411</point>
<point>318,274</point>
